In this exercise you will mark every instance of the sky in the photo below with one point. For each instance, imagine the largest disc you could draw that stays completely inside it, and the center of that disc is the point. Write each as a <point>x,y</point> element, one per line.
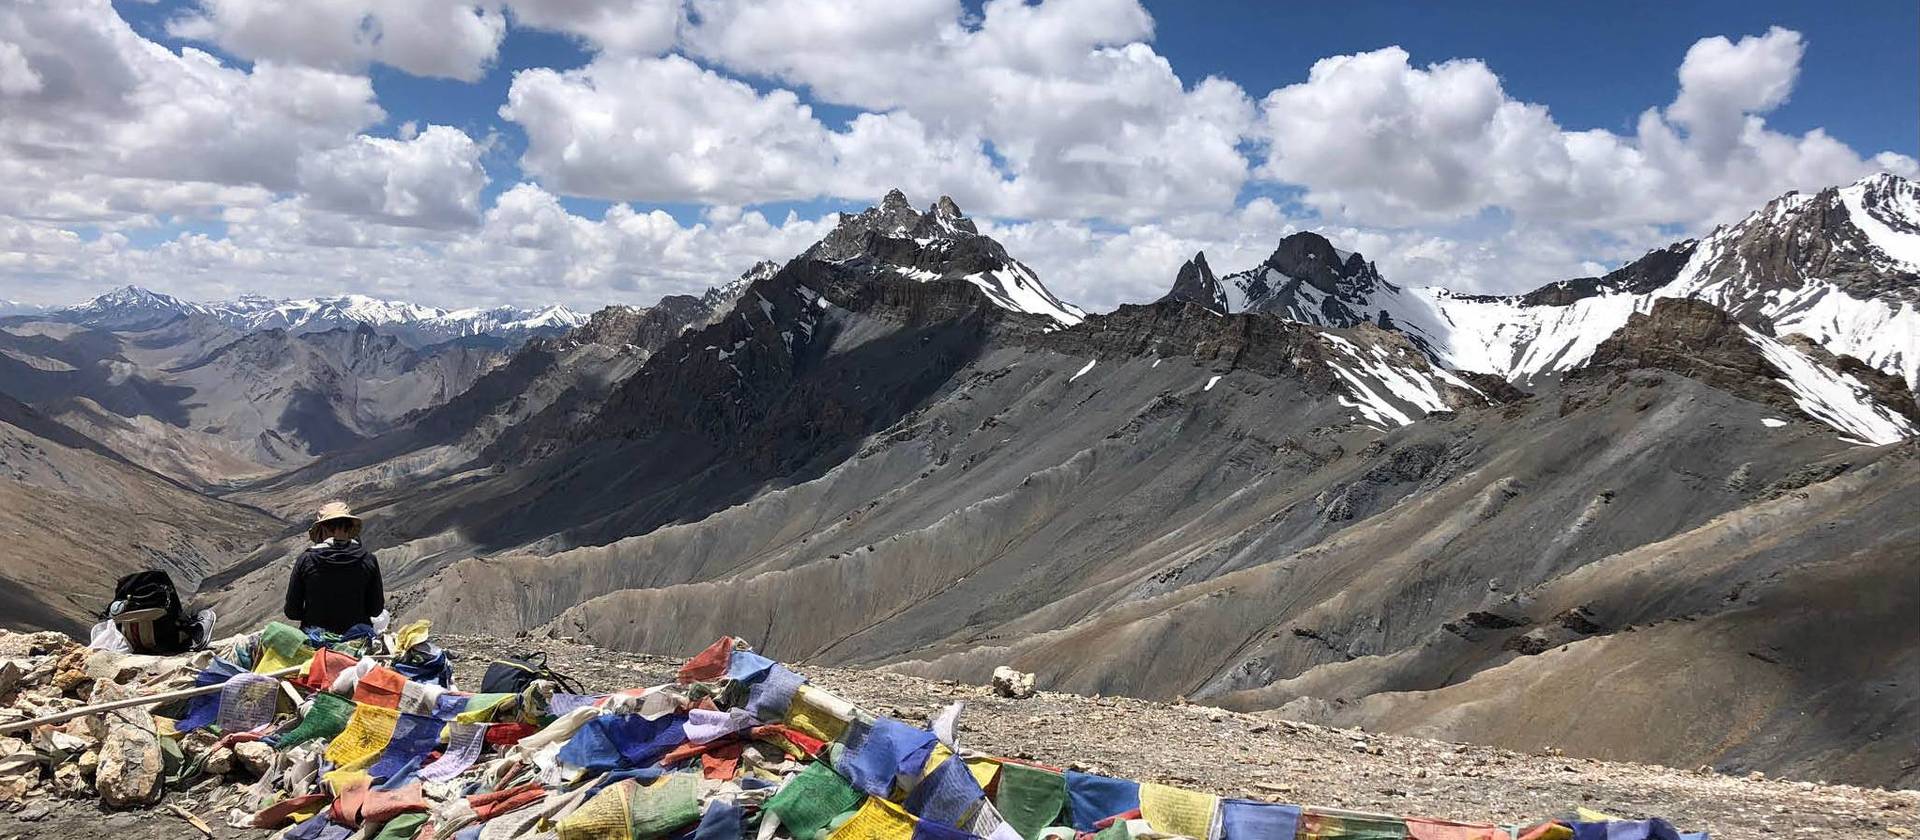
<point>476,152</point>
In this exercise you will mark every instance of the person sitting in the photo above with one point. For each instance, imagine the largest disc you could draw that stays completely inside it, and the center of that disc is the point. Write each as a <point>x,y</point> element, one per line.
<point>336,582</point>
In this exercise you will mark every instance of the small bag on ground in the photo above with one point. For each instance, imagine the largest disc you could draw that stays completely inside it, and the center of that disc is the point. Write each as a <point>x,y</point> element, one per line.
<point>512,675</point>
<point>147,611</point>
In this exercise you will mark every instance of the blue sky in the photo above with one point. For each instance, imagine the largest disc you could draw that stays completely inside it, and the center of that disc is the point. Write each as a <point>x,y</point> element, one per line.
<point>1483,146</point>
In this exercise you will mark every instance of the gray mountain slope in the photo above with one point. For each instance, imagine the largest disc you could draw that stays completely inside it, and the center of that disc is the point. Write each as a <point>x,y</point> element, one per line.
<point>872,460</point>
<point>209,405</point>
<point>76,516</point>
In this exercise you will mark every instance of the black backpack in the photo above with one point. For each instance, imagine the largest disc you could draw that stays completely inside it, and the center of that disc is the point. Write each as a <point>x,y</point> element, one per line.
<point>147,611</point>
<point>512,675</point>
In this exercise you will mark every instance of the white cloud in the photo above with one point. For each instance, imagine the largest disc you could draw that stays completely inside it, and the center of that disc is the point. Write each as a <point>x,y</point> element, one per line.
<point>432,179</point>
<point>665,129</point>
<point>113,105</point>
<point>527,249</point>
<point>1085,118</point>
<point>1721,82</point>
<point>627,27</point>
<point>1375,140</point>
<point>17,76</point>
<point>449,38</point>
<point>1058,118</point>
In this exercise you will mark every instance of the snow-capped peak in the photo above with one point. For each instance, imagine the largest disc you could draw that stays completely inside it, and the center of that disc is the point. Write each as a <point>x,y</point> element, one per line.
<point>939,244</point>
<point>132,306</point>
<point>1887,209</point>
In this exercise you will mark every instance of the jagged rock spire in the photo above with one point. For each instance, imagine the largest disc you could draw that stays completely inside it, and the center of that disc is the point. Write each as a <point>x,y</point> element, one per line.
<point>1196,284</point>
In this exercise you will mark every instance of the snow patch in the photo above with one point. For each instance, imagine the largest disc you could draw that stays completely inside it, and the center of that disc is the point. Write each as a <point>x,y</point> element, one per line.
<point>1212,382</point>
<point>1834,398</point>
<point>1772,422</point>
<point>1083,371</point>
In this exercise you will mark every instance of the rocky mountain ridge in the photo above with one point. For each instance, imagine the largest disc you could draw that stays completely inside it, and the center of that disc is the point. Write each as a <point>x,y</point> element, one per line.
<point>1309,506</point>
<point>1841,266</point>
<point>133,307</point>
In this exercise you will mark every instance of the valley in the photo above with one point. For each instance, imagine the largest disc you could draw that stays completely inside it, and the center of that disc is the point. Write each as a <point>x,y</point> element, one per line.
<point>1660,515</point>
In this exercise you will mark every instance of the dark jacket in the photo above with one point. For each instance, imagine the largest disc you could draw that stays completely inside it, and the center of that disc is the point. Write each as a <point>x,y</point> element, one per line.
<point>335,585</point>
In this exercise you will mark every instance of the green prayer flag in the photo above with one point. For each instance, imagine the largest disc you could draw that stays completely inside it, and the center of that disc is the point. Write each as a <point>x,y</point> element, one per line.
<point>807,802</point>
<point>402,827</point>
<point>1333,824</point>
<point>1117,831</point>
<point>1029,798</point>
<point>327,718</point>
<point>659,808</point>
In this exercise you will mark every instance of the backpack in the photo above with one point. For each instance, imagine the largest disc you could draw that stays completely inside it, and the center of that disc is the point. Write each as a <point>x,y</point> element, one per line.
<point>146,609</point>
<point>513,674</point>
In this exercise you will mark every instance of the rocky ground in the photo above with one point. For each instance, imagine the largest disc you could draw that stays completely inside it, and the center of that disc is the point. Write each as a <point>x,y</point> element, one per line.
<point>1256,756</point>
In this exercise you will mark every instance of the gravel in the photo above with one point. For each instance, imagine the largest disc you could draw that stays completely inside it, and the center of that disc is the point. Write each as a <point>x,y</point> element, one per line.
<point>1248,755</point>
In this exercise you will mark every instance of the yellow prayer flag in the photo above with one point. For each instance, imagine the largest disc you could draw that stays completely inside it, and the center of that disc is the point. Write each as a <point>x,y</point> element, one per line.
<point>411,635</point>
<point>812,712</point>
<point>984,770</point>
<point>365,737</point>
<point>339,780</point>
<point>940,753</point>
<point>604,817</point>
<point>1590,815</point>
<point>1172,810</point>
<point>481,708</point>
<point>877,819</point>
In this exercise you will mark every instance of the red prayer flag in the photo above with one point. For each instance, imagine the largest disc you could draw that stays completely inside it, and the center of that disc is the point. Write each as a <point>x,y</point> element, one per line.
<point>710,664</point>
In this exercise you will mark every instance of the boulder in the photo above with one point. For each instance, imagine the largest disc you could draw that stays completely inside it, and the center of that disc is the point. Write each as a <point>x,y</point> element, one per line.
<point>254,757</point>
<point>219,762</point>
<point>70,782</point>
<point>131,767</point>
<point>10,674</point>
<point>1010,683</point>
<point>19,770</point>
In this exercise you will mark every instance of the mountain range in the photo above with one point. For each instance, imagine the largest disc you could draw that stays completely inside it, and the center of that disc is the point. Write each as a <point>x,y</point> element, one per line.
<point>132,307</point>
<point>1682,489</point>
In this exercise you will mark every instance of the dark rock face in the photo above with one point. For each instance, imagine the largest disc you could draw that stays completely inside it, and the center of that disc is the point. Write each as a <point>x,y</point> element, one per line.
<point>648,327</point>
<point>1697,340</point>
<point>1196,284</point>
<point>1307,279</point>
<point>1818,240</point>
<point>1650,272</point>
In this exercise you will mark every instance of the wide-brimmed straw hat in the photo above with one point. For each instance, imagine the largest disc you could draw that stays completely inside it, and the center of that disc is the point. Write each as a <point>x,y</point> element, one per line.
<point>334,512</point>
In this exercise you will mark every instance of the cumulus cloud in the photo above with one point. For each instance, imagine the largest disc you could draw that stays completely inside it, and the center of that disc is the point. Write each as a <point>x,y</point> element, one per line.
<point>17,76</point>
<point>1056,121</point>
<point>1376,140</point>
<point>432,179</point>
<point>1060,106</point>
<point>119,109</point>
<point>628,27</point>
<point>665,129</point>
<point>454,39</point>
<point>526,249</point>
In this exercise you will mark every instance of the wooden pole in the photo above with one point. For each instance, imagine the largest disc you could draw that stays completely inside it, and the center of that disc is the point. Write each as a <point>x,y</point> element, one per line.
<point>130,702</point>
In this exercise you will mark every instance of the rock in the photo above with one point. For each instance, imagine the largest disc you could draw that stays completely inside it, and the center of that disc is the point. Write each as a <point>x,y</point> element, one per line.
<point>1216,715</point>
<point>116,667</point>
<point>19,770</point>
<point>220,762</point>
<point>10,674</point>
<point>89,764</point>
<point>70,782</point>
<point>131,766</point>
<point>34,813</point>
<point>254,757</point>
<point>1010,683</point>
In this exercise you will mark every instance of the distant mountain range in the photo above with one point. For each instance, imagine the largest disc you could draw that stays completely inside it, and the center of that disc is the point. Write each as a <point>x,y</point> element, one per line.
<point>132,307</point>
<point>1298,485</point>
